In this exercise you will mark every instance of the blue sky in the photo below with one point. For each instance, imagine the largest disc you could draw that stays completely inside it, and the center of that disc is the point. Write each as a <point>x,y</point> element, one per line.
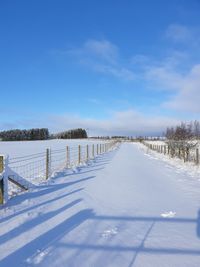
<point>114,67</point>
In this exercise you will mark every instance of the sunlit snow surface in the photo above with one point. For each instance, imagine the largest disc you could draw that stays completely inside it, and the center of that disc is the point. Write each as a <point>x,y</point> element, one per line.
<point>124,208</point>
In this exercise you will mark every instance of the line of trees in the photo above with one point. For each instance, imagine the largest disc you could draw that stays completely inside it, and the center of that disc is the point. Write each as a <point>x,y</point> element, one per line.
<point>19,135</point>
<point>72,134</point>
<point>184,131</point>
<point>40,134</point>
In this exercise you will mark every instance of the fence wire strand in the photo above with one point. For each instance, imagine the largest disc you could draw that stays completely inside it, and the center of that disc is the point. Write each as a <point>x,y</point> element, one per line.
<point>37,167</point>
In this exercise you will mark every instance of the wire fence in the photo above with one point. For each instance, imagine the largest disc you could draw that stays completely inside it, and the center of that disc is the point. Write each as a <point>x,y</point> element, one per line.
<point>29,167</point>
<point>36,168</point>
<point>187,154</point>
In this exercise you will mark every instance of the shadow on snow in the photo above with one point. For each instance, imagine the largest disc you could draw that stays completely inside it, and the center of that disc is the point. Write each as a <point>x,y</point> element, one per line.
<point>67,224</point>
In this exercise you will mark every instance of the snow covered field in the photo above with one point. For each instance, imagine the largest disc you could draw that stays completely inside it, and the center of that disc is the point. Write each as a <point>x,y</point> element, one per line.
<point>23,148</point>
<point>125,208</point>
<point>27,159</point>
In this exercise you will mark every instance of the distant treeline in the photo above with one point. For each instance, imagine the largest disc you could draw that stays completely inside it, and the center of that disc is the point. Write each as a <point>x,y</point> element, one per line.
<point>184,131</point>
<point>19,135</point>
<point>40,134</point>
<point>72,134</point>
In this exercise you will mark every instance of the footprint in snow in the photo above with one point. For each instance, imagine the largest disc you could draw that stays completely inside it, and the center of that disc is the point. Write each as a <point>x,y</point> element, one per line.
<point>37,257</point>
<point>169,214</point>
<point>109,233</point>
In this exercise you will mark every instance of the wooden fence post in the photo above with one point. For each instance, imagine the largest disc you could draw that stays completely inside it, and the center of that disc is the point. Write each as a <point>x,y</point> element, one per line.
<point>197,156</point>
<point>67,157</point>
<point>93,150</point>
<point>1,164</point>
<point>79,154</point>
<point>179,152</point>
<point>47,163</point>
<point>87,152</point>
<point>184,155</point>
<point>1,191</point>
<point>1,181</point>
<point>187,153</point>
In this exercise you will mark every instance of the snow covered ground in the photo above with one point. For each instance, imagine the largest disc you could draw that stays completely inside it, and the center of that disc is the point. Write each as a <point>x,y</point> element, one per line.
<point>125,208</point>
<point>157,142</point>
<point>23,148</point>
<point>27,159</point>
<point>163,142</point>
<point>191,168</point>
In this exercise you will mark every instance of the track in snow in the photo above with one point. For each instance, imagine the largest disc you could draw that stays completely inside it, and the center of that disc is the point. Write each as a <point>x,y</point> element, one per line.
<point>122,209</point>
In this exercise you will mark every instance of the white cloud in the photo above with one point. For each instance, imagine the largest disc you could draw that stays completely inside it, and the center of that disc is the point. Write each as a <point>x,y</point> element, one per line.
<point>128,122</point>
<point>183,35</point>
<point>102,56</point>
<point>119,72</point>
<point>103,49</point>
<point>176,73</point>
<point>188,95</point>
<point>178,33</point>
<point>164,78</point>
<point>139,59</point>
<point>185,87</point>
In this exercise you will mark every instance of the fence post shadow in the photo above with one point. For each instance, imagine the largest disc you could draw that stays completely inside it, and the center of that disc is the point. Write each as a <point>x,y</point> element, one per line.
<point>30,250</point>
<point>198,224</point>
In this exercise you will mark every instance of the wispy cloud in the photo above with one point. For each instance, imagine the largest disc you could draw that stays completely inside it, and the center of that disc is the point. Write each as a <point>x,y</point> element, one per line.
<point>164,78</point>
<point>140,59</point>
<point>102,56</point>
<point>125,122</point>
<point>104,49</point>
<point>117,71</point>
<point>94,101</point>
<point>184,35</point>
<point>177,72</point>
<point>188,94</point>
<point>179,33</point>
<point>185,87</point>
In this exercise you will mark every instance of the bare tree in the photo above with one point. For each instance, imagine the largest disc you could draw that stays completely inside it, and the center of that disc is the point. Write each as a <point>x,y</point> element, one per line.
<point>182,138</point>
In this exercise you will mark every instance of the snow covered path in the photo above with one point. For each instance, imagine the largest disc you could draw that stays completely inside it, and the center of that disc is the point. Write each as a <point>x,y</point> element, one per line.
<point>125,208</point>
